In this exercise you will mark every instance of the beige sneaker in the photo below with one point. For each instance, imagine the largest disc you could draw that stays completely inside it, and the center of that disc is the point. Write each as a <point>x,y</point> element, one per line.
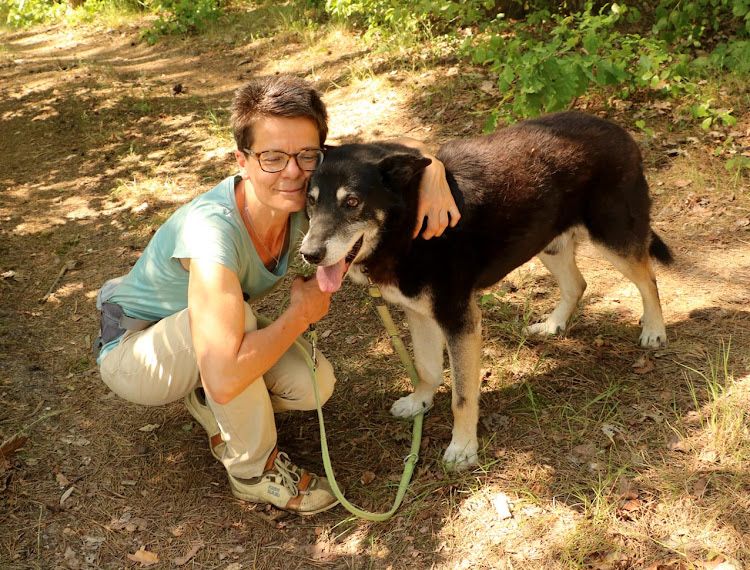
<point>286,486</point>
<point>196,404</point>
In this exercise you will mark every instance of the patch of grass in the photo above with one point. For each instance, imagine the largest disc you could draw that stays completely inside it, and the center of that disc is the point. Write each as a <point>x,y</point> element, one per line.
<point>721,408</point>
<point>218,125</point>
<point>251,22</point>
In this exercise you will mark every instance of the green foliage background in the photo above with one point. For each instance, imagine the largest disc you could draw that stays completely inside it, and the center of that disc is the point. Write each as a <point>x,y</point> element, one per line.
<point>543,55</point>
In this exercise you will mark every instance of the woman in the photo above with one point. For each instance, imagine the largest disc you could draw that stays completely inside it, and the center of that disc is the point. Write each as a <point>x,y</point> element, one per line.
<point>179,324</point>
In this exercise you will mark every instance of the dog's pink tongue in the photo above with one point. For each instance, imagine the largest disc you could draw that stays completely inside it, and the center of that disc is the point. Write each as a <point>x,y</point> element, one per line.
<point>331,276</point>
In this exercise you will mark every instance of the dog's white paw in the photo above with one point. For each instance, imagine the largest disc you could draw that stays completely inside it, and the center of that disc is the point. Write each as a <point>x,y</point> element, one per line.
<point>409,406</point>
<point>461,455</point>
<point>653,337</point>
<point>549,327</point>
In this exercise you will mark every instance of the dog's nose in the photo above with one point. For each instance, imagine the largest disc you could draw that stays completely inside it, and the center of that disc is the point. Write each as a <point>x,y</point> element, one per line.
<point>315,256</point>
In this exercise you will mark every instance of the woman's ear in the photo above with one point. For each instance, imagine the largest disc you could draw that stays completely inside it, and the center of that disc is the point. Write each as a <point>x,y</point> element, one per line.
<point>241,159</point>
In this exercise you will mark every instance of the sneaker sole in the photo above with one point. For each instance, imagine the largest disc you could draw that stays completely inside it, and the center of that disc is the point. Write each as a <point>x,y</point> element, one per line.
<point>248,499</point>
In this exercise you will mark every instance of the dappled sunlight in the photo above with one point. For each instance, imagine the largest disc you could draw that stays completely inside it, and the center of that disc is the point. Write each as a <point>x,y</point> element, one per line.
<point>481,533</point>
<point>601,463</point>
<point>356,113</point>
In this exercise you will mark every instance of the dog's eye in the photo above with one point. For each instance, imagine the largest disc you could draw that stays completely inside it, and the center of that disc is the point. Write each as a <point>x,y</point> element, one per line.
<point>352,202</point>
<point>311,199</point>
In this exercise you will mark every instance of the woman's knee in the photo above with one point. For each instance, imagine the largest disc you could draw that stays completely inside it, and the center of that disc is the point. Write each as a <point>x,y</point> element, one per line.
<point>326,379</point>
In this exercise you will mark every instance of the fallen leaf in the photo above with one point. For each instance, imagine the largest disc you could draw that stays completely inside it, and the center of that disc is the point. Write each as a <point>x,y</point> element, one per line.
<point>12,445</point>
<point>367,477</point>
<point>66,494</point>
<point>62,480</point>
<point>607,560</point>
<point>632,505</point>
<point>609,430</point>
<point>194,548</point>
<point>709,456</point>
<point>136,524</point>
<point>71,559</point>
<point>488,87</point>
<point>643,365</point>
<point>721,563</point>
<point>73,440</point>
<point>145,557</point>
<point>699,487</point>
<point>626,490</point>
<point>676,443</point>
<point>149,428</point>
<point>682,183</point>
<point>233,566</point>
<point>177,531</point>
<point>585,450</point>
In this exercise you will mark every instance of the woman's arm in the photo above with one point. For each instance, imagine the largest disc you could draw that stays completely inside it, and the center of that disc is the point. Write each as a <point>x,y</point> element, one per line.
<point>435,199</point>
<point>230,359</point>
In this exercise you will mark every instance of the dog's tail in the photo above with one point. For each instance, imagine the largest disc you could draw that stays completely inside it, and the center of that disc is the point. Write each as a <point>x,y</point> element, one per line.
<point>659,250</point>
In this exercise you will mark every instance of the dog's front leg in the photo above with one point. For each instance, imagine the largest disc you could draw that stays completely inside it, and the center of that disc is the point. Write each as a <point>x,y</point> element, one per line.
<point>464,349</point>
<point>429,342</point>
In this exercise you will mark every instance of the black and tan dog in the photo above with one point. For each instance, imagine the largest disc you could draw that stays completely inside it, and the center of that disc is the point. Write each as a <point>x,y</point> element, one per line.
<point>531,189</point>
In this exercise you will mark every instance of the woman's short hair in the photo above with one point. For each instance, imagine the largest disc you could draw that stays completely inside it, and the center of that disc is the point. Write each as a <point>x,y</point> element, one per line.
<point>275,96</point>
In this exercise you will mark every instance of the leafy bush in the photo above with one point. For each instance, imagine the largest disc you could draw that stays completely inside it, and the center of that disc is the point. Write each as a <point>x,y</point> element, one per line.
<point>548,60</point>
<point>690,22</point>
<point>20,13</point>
<point>182,17</point>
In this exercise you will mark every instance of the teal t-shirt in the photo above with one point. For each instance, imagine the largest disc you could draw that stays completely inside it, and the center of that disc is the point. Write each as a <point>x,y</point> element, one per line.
<point>210,228</point>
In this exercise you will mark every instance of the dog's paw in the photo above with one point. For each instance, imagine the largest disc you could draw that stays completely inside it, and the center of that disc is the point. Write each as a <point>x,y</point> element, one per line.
<point>549,327</point>
<point>653,337</point>
<point>460,456</point>
<point>409,406</point>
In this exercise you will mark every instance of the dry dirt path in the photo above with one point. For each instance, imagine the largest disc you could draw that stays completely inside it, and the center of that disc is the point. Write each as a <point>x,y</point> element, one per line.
<point>96,149</point>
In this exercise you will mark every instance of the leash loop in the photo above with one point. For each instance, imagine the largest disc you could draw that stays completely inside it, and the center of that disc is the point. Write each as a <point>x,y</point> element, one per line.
<point>411,459</point>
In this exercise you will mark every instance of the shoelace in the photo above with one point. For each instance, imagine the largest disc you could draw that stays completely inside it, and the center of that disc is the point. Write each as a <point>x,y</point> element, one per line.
<point>287,470</point>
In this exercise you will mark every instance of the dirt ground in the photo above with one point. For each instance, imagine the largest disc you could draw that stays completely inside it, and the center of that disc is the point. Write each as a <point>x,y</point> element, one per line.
<point>609,456</point>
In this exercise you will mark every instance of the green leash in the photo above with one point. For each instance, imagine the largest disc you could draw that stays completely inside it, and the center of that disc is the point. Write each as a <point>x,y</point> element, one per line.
<point>416,439</point>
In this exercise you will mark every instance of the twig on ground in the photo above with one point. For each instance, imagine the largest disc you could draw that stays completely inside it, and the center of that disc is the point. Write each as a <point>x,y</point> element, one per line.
<point>70,264</point>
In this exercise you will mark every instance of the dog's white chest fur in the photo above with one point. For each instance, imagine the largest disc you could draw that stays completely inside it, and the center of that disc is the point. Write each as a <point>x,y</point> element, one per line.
<point>421,304</point>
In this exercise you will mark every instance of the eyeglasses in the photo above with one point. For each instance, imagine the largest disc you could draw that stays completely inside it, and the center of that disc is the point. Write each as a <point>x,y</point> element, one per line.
<point>275,160</point>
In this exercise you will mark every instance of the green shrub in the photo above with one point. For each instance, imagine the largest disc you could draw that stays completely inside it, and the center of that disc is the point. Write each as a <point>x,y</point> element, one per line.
<point>182,17</point>
<point>20,13</point>
<point>545,62</point>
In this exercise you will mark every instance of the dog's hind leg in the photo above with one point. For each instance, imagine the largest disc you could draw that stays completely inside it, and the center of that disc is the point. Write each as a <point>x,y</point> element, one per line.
<point>559,257</point>
<point>429,344</point>
<point>638,269</point>
<point>464,349</point>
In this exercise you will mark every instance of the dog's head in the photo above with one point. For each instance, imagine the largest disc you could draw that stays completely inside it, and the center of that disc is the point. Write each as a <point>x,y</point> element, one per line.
<point>351,198</point>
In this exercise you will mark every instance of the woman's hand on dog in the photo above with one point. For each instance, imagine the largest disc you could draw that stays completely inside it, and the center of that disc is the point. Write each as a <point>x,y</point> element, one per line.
<point>435,202</point>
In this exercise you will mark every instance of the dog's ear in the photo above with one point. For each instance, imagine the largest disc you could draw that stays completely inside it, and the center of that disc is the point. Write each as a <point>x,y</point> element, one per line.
<point>399,169</point>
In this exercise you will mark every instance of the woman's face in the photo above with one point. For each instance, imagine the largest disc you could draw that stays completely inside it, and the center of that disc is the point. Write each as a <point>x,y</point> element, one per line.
<point>284,190</point>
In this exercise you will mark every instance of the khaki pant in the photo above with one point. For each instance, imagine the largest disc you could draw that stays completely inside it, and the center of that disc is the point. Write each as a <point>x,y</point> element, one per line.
<point>157,366</point>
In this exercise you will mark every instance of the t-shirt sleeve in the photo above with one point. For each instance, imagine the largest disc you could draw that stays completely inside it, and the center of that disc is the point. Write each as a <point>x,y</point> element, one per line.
<point>207,233</point>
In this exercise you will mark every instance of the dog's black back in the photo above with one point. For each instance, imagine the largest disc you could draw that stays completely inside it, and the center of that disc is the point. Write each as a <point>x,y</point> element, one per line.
<point>528,183</point>
<point>517,189</point>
